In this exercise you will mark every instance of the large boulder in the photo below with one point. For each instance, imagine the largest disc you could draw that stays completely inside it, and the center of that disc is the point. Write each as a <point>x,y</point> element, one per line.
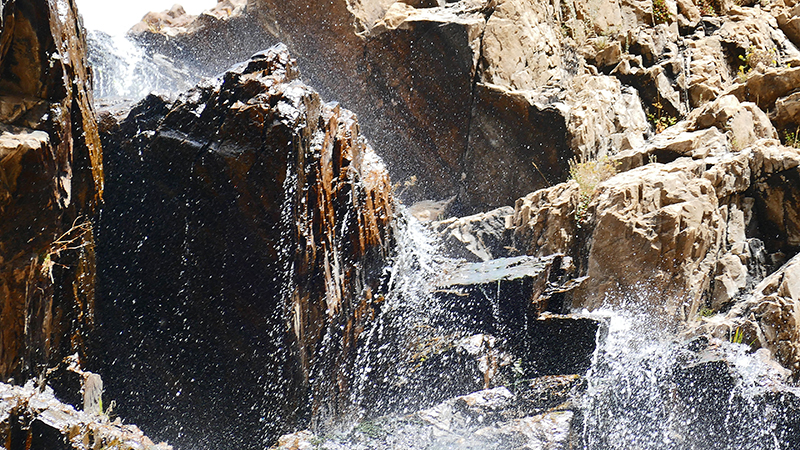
<point>245,229</point>
<point>52,180</point>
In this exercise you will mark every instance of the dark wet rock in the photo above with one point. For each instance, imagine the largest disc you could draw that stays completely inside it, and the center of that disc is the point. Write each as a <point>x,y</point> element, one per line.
<point>561,344</point>
<point>245,229</point>
<point>728,407</point>
<point>438,368</point>
<point>502,295</point>
<point>498,296</point>
<point>507,298</point>
<point>32,418</point>
<point>51,181</point>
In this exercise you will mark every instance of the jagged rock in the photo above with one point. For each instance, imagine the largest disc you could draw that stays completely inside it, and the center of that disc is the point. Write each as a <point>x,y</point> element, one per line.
<point>480,237</point>
<point>745,122</point>
<point>502,295</point>
<point>245,229</point>
<point>31,417</point>
<point>489,419</point>
<point>766,318</point>
<point>52,180</point>
<point>703,211</point>
<point>438,368</point>
<point>544,221</point>
<point>765,88</point>
<point>206,44</point>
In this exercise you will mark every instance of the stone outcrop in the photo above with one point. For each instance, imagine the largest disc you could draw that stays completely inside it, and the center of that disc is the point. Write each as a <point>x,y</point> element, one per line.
<point>208,43</point>
<point>51,180</point>
<point>767,318</point>
<point>34,418</point>
<point>245,230</point>
<point>541,414</point>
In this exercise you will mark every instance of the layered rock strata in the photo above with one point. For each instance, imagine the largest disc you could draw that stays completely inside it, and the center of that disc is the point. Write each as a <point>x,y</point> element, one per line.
<point>245,230</point>
<point>51,176</point>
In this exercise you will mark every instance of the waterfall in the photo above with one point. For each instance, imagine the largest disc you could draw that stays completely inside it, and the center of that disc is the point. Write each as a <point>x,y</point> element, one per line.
<point>408,316</point>
<point>648,390</point>
<point>122,70</point>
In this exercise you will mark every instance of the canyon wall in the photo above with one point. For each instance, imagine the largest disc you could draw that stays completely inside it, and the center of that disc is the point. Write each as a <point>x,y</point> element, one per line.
<point>52,182</point>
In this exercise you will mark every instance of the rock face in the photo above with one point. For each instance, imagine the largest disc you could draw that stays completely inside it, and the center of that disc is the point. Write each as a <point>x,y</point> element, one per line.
<point>209,43</point>
<point>52,180</point>
<point>245,229</point>
<point>34,418</point>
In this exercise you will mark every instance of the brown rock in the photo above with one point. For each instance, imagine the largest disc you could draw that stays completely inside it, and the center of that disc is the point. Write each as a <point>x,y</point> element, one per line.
<point>745,123</point>
<point>52,177</point>
<point>768,318</point>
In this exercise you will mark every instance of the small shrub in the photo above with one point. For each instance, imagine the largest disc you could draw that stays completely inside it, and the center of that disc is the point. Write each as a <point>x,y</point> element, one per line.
<point>659,119</point>
<point>792,139</point>
<point>661,13</point>
<point>601,43</point>
<point>707,7</point>
<point>589,175</point>
<point>756,59</point>
<point>705,311</point>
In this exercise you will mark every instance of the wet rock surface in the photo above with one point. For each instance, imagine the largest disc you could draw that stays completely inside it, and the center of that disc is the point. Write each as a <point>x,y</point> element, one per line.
<point>246,225</point>
<point>488,419</point>
<point>51,180</point>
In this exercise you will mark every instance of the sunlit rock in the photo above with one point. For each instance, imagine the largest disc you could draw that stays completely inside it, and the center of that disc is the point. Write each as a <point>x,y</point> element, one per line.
<point>539,413</point>
<point>480,237</point>
<point>31,417</point>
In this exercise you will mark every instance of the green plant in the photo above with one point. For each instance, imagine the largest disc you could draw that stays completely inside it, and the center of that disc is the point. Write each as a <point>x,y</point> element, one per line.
<point>370,429</point>
<point>756,59</point>
<point>738,336</point>
<point>588,175</point>
<point>600,43</point>
<point>792,139</point>
<point>705,311</point>
<point>660,119</point>
<point>661,12</point>
<point>707,7</point>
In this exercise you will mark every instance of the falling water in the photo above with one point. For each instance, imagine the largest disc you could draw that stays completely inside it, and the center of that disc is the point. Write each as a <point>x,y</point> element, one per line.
<point>649,390</point>
<point>123,70</point>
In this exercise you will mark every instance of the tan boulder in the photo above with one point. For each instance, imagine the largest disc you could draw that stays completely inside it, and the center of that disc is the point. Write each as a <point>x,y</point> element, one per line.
<point>521,46</point>
<point>663,220</point>
<point>745,122</point>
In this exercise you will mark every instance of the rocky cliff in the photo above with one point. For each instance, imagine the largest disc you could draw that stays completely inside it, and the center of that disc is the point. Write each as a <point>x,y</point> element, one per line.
<point>52,181</point>
<point>650,145</point>
<point>246,228</point>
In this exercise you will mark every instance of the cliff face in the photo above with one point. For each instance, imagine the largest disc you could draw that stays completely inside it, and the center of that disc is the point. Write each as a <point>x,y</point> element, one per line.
<point>52,181</point>
<point>246,227</point>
